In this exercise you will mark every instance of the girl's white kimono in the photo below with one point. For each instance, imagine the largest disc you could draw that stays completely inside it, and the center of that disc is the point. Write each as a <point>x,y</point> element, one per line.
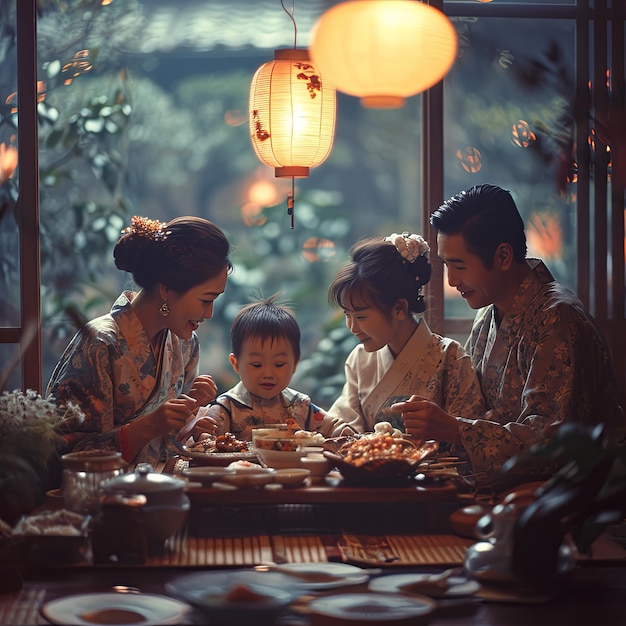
<point>431,366</point>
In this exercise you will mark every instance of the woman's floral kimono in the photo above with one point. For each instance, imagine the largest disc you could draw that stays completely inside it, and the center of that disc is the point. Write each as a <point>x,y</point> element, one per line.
<point>110,370</point>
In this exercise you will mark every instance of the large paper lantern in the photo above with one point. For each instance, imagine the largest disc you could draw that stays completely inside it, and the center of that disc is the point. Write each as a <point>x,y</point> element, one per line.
<point>383,51</point>
<point>292,113</point>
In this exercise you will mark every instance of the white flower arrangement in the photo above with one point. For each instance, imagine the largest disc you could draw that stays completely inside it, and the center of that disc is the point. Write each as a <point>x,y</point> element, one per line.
<point>410,247</point>
<point>22,409</point>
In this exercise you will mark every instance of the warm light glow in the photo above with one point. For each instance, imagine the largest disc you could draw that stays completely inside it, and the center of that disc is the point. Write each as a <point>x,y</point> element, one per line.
<point>263,192</point>
<point>291,114</point>
<point>8,161</point>
<point>544,236</point>
<point>383,51</point>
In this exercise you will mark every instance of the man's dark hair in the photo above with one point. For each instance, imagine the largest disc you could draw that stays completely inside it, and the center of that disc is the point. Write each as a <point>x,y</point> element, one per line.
<point>485,216</point>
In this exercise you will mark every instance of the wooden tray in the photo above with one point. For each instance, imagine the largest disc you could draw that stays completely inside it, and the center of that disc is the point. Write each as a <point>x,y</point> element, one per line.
<point>333,492</point>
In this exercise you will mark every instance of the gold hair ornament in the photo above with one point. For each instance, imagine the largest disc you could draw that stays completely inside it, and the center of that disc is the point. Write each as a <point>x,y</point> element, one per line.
<point>146,227</point>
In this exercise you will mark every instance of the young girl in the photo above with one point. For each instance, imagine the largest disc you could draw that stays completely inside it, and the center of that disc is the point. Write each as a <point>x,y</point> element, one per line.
<point>380,292</point>
<point>265,339</point>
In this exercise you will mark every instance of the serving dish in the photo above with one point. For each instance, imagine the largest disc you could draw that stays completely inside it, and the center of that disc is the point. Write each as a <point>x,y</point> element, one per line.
<point>221,459</point>
<point>382,470</point>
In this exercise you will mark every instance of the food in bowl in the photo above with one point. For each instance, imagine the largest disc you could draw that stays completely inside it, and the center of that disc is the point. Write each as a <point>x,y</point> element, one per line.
<point>281,446</point>
<point>226,442</point>
<point>378,458</point>
<point>237,597</point>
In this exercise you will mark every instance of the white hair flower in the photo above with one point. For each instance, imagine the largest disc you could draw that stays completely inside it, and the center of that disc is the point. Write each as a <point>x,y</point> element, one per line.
<point>410,247</point>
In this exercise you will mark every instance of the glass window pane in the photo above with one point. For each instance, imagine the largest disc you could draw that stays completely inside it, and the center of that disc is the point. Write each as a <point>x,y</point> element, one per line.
<point>508,121</point>
<point>9,234</point>
<point>147,114</point>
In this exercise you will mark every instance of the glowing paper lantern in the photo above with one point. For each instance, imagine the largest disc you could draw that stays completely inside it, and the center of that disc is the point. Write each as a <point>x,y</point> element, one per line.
<point>383,51</point>
<point>291,114</point>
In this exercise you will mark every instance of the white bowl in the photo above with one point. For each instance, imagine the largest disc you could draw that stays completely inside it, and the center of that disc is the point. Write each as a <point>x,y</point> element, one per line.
<point>318,464</point>
<point>279,459</point>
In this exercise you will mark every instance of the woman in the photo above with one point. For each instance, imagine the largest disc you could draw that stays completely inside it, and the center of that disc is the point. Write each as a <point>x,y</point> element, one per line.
<point>380,292</point>
<point>134,371</point>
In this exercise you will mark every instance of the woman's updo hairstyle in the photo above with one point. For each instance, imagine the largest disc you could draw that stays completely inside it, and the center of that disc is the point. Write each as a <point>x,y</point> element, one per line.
<point>180,254</point>
<point>383,271</point>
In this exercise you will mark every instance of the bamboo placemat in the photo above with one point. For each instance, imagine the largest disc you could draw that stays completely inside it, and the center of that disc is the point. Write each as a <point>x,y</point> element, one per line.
<point>398,550</point>
<point>214,551</point>
<point>298,549</point>
<point>183,551</point>
<point>22,607</point>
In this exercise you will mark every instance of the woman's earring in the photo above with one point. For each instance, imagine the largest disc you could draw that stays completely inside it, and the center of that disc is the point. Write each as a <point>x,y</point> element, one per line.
<point>165,310</point>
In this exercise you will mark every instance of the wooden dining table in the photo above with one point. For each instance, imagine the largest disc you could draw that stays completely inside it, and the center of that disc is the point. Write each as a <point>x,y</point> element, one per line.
<point>238,530</point>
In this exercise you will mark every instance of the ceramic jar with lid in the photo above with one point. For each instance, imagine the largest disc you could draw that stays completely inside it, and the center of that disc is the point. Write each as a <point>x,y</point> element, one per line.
<point>83,472</point>
<point>167,504</point>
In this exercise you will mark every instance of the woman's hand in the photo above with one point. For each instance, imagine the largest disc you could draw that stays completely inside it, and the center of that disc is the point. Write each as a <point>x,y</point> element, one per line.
<point>170,416</point>
<point>196,426</point>
<point>424,420</point>
<point>174,413</point>
<point>203,389</point>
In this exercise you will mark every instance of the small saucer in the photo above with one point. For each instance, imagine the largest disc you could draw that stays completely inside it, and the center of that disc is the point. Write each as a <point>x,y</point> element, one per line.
<point>291,477</point>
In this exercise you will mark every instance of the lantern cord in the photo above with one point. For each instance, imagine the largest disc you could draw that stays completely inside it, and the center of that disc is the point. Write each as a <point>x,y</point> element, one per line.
<point>291,201</point>
<point>295,28</point>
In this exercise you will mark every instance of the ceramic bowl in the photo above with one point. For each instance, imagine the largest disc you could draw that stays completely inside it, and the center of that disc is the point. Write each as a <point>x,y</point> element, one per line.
<point>235,597</point>
<point>278,459</point>
<point>318,464</point>
<point>277,447</point>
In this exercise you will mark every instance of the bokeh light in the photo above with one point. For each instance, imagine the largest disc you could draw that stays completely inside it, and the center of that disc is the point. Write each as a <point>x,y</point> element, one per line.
<point>318,250</point>
<point>522,136</point>
<point>469,159</point>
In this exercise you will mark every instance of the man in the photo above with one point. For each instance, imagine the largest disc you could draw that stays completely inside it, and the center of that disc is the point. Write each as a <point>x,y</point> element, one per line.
<point>541,358</point>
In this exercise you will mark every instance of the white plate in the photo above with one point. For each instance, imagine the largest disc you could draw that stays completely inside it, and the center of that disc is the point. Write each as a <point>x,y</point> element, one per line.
<point>392,583</point>
<point>121,609</point>
<point>363,608</point>
<point>343,574</point>
<point>291,477</point>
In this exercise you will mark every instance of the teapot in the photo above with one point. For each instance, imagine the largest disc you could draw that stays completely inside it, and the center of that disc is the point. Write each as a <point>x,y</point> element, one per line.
<point>167,504</point>
<point>490,559</point>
